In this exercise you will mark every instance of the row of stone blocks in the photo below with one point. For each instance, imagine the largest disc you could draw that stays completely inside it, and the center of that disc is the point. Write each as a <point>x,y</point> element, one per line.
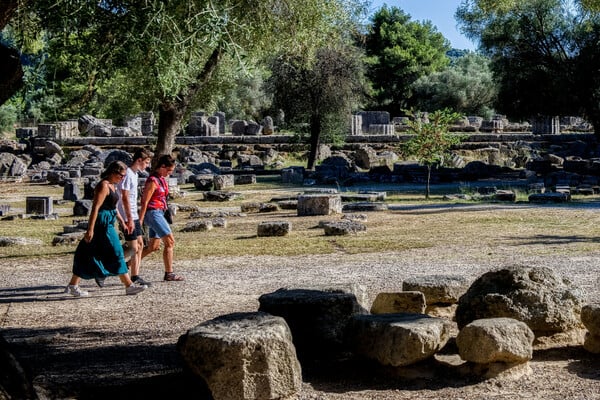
<point>252,355</point>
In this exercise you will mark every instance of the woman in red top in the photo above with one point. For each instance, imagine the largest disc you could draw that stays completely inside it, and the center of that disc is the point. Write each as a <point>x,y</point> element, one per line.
<point>153,206</point>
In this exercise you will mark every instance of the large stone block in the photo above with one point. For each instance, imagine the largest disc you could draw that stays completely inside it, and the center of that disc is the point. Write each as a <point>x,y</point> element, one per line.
<point>317,316</point>
<point>545,301</point>
<point>41,205</point>
<point>243,356</point>
<point>344,227</point>
<point>399,302</point>
<point>292,175</point>
<point>398,339</point>
<point>223,182</point>
<point>274,228</point>
<point>319,204</point>
<point>485,341</point>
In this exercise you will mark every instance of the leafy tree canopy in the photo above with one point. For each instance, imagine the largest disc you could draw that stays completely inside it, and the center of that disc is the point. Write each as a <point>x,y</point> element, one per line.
<point>536,47</point>
<point>466,86</point>
<point>399,52</point>
<point>167,53</point>
<point>317,87</point>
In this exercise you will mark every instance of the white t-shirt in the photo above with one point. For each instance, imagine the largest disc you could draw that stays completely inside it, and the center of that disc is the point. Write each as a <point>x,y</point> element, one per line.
<point>129,182</point>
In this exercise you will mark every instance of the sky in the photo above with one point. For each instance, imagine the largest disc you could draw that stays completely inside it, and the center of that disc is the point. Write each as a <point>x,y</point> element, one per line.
<point>439,12</point>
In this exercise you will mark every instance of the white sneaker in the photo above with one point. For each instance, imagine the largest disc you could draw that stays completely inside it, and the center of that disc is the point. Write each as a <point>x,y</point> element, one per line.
<point>135,288</point>
<point>75,290</point>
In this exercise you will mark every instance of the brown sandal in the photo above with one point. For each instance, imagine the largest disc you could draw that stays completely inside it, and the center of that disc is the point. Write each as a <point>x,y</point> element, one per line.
<point>172,276</point>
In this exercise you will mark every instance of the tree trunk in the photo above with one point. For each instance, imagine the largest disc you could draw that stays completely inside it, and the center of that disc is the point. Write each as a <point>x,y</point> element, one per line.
<point>11,70</point>
<point>170,116</point>
<point>315,136</point>
<point>171,113</point>
<point>428,180</point>
<point>11,73</point>
<point>8,9</point>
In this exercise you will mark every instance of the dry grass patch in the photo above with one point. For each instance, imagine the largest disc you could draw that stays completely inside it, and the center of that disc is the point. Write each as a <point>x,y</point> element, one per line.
<point>475,227</point>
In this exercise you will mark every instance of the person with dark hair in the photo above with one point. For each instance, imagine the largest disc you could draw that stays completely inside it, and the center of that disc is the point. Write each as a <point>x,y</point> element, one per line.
<point>100,253</point>
<point>128,208</point>
<point>152,209</point>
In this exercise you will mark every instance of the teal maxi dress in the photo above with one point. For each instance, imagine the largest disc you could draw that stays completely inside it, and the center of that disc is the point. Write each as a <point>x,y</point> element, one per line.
<point>103,255</point>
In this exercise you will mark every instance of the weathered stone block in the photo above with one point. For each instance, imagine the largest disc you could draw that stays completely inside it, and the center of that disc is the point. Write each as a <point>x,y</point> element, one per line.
<point>345,227</point>
<point>399,302</point>
<point>292,175</point>
<point>221,195</point>
<point>198,226</point>
<point>244,179</point>
<point>243,356</point>
<point>82,208</point>
<point>41,205</point>
<point>538,296</point>
<point>274,228</point>
<point>491,340</point>
<point>317,316</point>
<point>203,182</point>
<point>319,204</point>
<point>223,182</point>
<point>398,339</point>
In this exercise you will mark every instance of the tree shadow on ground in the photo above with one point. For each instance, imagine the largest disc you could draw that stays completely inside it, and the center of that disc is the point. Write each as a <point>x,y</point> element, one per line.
<point>439,208</point>
<point>74,363</point>
<point>554,240</point>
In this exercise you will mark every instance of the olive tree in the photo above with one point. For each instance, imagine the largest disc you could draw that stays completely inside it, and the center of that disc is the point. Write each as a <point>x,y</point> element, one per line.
<point>316,87</point>
<point>544,54</point>
<point>168,53</point>
<point>467,86</point>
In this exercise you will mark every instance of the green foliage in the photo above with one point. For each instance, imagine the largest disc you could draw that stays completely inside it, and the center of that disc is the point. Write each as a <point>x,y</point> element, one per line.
<point>399,52</point>
<point>466,86</point>
<point>432,141</point>
<point>242,95</point>
<point>8,118</point>
<point>323,88</point>
<point>112,56</point>
<point>541,55</point>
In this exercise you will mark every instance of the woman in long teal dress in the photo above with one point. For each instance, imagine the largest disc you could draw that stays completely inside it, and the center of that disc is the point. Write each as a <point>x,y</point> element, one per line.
<point>100,253</point>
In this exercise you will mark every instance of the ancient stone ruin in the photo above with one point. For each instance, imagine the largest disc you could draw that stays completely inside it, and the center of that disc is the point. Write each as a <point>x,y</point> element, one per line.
<point>501,314</point>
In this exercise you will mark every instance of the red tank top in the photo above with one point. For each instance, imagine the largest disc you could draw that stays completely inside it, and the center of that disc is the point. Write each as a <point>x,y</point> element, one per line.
<point>159,197</point>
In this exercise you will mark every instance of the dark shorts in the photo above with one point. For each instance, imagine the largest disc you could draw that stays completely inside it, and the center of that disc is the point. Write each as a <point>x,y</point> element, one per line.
<point>137,231</point>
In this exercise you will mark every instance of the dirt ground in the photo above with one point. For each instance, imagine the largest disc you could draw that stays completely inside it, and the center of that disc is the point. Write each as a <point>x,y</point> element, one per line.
<point>109,345</point>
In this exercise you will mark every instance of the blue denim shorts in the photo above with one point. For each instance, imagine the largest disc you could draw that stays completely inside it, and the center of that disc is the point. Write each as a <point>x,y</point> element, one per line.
<point>158,227</point>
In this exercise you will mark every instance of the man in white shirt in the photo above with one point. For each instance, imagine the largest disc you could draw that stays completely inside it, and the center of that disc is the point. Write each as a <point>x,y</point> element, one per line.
<point>128,208</point>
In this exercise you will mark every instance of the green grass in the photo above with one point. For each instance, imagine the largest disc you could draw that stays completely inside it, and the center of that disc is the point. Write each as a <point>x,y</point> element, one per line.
<point>536,230</point>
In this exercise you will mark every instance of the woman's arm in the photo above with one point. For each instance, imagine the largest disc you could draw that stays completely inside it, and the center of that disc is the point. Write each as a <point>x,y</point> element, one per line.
<point>122,221</point>
<point>149,188</point>
<point>100,193</point>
